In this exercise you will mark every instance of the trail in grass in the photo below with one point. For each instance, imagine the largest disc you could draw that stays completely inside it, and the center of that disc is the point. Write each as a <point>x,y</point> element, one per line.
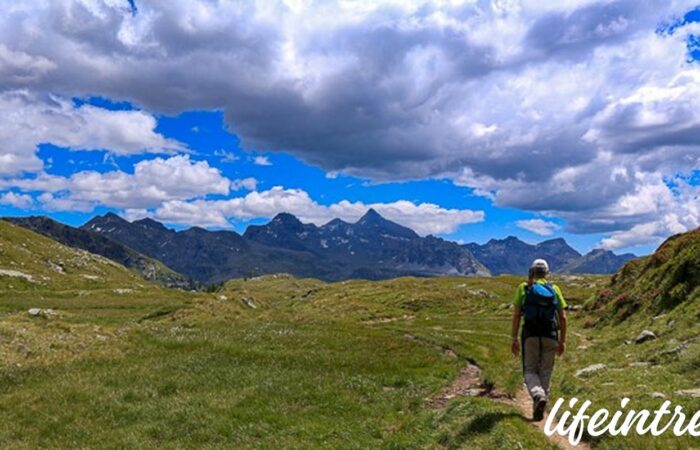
<point>524,403</point>
<point>468,383</point>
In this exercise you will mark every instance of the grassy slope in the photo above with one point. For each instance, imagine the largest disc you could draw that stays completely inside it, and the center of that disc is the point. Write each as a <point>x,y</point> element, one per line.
<point>313,365</point>
<point>149,268</point>
<point>660,293</point>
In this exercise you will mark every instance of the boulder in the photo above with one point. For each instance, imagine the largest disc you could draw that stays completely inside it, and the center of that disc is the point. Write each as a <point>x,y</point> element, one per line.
<point>639,364</point>
<point>695,393</point>
<point>644,336</point>
<point>249,302</point>
<point>38,312</point>
<point>593,368</point>
<point>658,395</point>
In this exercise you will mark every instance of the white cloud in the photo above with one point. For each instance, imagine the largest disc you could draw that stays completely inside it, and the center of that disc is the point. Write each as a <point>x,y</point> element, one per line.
<point>226,156</point>
<point>538,226</point>
<point>249,184</point>
<point>262,161</point>
<point>29,120</point>
<point>21,201</point>
<point>657,212</point>
<point>424,218</point>
<point>153,182</point>
<point>586,100</point>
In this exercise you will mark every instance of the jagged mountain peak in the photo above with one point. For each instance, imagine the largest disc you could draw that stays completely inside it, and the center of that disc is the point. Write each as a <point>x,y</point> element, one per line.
<point>285,218</point>
<point>371,216</point>
<point>335,223</point>
<point>150,223</point>
<point>373,222</point>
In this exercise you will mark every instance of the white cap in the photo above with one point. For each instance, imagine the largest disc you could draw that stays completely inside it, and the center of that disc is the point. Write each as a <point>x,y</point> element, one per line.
<point>540,264</point>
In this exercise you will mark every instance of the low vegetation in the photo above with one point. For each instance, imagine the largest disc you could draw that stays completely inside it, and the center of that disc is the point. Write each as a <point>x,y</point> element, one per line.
<point>280,362</point>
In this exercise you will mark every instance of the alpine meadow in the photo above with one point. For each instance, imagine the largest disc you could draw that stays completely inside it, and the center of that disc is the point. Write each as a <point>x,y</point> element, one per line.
<point>331,224</point>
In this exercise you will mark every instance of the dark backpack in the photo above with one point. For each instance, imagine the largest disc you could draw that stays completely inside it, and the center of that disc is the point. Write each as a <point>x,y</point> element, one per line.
<point>541,310</point>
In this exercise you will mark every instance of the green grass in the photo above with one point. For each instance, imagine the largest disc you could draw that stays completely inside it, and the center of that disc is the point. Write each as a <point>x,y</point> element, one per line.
<point>313,365</point>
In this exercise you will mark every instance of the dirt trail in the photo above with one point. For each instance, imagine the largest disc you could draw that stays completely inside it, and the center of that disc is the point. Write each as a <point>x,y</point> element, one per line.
<point>468,383</point>
<point>523,401</point>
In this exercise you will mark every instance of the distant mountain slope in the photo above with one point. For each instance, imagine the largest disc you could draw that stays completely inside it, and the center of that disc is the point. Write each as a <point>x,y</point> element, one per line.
<point>513,256</point>
<point>667,278</point>
<point>597,261</point>
<point>207,256</point>
<point>149,268</point>
<point>32,262</point>
<point>372,248</point>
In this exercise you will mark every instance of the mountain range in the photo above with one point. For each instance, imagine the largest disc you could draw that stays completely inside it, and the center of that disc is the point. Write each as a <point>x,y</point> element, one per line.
<point>371,248</point>
<point>513,256</point>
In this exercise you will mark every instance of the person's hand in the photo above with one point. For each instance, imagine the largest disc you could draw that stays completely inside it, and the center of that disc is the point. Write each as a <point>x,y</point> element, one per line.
<point>561,348</point>
<point>515,347</point>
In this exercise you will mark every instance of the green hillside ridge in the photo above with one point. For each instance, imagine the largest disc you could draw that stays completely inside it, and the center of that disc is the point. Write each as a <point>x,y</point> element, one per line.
<point>32,262</point>
<point>281,362</point>
<point>149,268</point>
<point>656,283</point>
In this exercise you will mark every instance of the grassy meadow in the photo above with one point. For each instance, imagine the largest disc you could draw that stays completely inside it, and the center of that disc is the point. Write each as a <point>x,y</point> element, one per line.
<point>278,362</point>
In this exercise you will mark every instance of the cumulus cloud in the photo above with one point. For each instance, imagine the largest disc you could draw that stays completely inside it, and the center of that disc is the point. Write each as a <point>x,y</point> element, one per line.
<point>556,107</point>
<point>657,211</point>
<point>30,120</point>
<point>249,184</point>
<point>538,226</point>
<point>22,201</point>
<point>262,161</point>
<point>424,218</point>
<point>153,182</point>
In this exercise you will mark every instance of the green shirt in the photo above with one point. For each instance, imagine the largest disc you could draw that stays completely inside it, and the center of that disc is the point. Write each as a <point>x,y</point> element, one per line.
<point>520,294</point>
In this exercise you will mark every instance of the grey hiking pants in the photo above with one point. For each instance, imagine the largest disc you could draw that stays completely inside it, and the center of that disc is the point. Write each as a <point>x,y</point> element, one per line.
<point>538,363</point>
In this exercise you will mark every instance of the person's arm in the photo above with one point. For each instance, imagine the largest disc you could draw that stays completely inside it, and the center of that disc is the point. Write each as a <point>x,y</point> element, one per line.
<point>562,332</point>
<point>515,327</point>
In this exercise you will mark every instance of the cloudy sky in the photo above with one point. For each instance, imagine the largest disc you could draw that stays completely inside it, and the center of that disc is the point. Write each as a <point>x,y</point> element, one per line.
<point>464,119</point>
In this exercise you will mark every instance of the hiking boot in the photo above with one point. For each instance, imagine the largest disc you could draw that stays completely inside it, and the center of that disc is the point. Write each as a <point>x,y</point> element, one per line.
<point>538,407</point>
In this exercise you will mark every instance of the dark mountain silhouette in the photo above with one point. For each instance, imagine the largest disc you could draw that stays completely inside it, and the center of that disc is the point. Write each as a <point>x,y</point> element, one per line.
<point>597,261</point>
<point>511,255</point>
<point>371,248</point>
<point>207,256</point>
<point>151,269</point>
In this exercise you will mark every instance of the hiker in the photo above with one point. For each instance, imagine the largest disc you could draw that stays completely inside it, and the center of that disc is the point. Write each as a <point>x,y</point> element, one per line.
<point>543,334</point>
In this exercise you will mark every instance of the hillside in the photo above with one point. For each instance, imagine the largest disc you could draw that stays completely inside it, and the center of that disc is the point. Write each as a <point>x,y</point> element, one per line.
<point>148,268</point>
<point>277,361</point>
<point>657,283</point>
<point>32,262</point>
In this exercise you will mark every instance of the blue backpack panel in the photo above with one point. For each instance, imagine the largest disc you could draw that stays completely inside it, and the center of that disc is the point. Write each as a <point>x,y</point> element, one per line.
<point>541,310</point>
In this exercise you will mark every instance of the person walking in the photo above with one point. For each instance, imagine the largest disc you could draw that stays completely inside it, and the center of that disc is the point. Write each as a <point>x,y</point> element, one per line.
<point>542,306</point>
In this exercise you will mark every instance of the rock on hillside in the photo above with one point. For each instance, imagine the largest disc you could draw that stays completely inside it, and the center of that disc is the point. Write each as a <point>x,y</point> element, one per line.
<point>149,268</point>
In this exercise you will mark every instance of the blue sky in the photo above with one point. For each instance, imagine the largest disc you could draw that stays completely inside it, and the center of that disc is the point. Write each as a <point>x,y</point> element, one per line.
<point>469,121</point>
